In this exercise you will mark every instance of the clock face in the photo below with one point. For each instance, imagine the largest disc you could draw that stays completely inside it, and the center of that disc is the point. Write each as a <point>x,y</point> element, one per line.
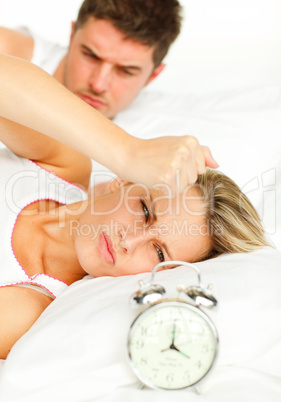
<point>172,345</point>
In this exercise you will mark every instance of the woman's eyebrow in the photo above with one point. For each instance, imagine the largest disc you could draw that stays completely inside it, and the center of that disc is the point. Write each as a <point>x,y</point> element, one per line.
<point>167,251</point>
<point>164,245</point>
<point>152,208</point>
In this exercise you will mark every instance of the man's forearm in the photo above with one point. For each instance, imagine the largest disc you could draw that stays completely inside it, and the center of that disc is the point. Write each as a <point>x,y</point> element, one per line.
<point>32,98</point>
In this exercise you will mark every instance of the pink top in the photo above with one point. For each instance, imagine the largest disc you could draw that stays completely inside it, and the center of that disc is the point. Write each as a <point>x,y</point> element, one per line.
<point>22,182</point>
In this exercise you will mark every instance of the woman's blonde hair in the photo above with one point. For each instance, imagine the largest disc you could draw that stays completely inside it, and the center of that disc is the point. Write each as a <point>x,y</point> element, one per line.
<point>232,221</point>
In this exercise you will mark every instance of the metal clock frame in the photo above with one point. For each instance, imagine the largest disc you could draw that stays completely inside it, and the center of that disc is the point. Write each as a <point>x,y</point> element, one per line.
<point>158,304</point>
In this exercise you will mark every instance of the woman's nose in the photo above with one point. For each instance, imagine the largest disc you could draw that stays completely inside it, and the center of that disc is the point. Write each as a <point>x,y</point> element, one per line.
<point>130,241</point>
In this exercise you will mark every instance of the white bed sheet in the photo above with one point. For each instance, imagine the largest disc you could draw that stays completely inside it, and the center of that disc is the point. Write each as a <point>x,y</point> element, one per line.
<point>76,351</point>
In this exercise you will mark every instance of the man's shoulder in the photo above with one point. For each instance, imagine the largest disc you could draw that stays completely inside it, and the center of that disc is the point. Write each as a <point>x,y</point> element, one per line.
<point>16,43</point>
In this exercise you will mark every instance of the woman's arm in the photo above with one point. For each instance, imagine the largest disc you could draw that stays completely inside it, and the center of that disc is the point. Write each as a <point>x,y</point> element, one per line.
<point>30,97</point>
<point>19,309</point>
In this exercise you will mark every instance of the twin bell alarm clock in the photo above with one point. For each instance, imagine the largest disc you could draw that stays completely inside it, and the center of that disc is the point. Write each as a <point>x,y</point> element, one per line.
<point>172,344</point>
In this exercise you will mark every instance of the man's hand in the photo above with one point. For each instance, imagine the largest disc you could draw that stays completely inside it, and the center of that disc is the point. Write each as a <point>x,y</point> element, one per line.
<point>175,161</point>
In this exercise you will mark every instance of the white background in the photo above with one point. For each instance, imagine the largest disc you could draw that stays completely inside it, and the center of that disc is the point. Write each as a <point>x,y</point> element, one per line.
<point>232,46</point>
<point>224,45</point>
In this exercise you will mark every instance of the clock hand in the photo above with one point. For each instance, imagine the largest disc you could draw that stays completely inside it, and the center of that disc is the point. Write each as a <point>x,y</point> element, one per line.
<point>177,350</point>
<point>174,333</point>
<point>172,346</point>
<point>183,354</point>
<point>164,350</point>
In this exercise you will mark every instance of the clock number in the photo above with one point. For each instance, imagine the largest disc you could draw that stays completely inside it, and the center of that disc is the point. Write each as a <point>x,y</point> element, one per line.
<point>139,344</point>
<point>149,331</point>
<point>205,348</point>
<point>143,361</point>
<point>170,377</point>
<point>157,319</point>
<point>186,376</point>
<point>174,316</point>
<point>143,331</point>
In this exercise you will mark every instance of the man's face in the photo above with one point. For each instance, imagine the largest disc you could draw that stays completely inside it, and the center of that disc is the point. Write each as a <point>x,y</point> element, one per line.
<point>105,70</point>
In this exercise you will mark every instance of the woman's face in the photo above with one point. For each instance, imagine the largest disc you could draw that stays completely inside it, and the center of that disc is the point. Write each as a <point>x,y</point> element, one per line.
<point>131,230</point>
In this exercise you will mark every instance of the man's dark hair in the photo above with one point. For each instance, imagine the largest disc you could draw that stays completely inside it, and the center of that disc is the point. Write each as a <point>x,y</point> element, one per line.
<point>154,23</point>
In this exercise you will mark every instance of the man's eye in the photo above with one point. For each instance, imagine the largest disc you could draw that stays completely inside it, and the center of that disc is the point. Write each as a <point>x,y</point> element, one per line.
<point>160,254</point>
<point>145,211</point>
<point>126,72</point>
<point>91,55</point>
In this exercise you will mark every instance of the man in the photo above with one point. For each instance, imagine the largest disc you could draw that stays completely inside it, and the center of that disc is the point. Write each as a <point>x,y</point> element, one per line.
<point>116,48</point>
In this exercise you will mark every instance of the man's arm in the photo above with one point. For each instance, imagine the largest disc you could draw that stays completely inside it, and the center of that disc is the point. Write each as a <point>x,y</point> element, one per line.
<point>32,98</point>
<point>47,152</point>
<point>16,44</point>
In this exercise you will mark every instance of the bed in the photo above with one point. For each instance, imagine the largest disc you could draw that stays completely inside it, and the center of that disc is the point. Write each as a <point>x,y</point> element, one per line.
<point>222,84</point>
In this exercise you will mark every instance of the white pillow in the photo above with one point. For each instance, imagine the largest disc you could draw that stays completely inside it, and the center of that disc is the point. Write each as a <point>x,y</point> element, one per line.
<point>76,351</point>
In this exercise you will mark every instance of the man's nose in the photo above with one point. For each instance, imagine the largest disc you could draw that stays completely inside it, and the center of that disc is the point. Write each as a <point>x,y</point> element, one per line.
<point>100,78</point>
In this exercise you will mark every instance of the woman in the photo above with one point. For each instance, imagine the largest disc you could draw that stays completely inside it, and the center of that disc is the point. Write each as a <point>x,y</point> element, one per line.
<point>52,235</point>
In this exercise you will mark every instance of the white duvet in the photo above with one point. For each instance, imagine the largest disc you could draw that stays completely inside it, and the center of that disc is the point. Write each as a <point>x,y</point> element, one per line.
<point>76,351</point>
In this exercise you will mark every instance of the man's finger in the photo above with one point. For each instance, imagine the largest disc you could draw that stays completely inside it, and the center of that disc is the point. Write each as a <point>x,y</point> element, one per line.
<point>209,160</point>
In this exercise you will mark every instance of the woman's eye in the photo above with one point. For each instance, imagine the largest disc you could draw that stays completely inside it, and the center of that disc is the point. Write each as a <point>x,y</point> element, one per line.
<point>160,254</point>
<point>145,211</point>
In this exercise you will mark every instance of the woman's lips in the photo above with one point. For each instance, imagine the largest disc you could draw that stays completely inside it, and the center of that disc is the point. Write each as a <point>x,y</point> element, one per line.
<point>106,248</point>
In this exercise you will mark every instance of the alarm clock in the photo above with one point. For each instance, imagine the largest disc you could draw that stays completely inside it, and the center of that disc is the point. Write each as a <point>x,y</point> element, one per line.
<point>172,344</point>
